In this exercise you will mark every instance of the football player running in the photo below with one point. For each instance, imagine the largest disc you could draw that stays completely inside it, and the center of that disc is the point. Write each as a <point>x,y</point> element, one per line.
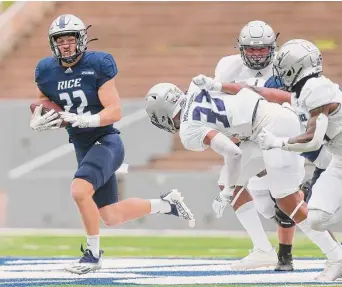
<point>83,83</point>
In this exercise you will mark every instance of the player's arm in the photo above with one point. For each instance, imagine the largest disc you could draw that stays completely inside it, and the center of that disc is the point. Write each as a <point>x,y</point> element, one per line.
<point>41,96</point>
<point>233,88</point>
<point>313,138</point>
<point>48,121</point>
<point>110,100</point>
<point>231,153</point>
<point>270,94</point>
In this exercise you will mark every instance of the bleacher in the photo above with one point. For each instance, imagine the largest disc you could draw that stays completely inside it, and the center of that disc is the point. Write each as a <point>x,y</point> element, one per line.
<point>172,41</point>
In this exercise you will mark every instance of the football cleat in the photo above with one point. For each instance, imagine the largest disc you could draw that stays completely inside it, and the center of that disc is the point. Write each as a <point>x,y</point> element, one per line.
<point>285,263</point>
<point>256,259</point>
<point>178,206</point>
<point>332,271</point>
<point>87,263</point>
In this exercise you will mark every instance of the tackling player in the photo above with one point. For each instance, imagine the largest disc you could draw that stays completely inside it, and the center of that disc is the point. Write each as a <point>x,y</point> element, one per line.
<point>257,43</point>
<point>206,119</point>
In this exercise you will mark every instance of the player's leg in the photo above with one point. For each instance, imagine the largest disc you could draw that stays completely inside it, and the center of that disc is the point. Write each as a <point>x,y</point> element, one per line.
<point>244,208</point>
<point>82,189</point>
<point>286,171</point>
<point>263,253</point>
<point>325,205</point>
<point>242,202</point>
<point>266,206</point>
<point>283,181</point>
<point>114,212</point>
<point>285,238</point>
<point>97,168</point>
<point>286,231</point>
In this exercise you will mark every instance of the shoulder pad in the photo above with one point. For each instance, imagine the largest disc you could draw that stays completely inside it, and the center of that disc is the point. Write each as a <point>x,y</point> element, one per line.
<point>105,66</point>
<point>42,69</point>
<point>317,92</point>
<point>226,66</point>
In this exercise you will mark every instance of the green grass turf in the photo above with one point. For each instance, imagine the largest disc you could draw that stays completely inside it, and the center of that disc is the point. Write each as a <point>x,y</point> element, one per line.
<point>143,246</point>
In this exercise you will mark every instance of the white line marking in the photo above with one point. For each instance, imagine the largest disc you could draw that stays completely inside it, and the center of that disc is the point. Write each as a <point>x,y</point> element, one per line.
<point>64,149</point>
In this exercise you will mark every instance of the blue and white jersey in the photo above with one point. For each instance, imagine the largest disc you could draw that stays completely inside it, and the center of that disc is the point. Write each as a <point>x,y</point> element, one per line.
<point>75,89</point>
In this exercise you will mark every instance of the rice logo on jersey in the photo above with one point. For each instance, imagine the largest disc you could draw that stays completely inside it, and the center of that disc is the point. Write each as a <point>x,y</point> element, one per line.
<point>73,83</point>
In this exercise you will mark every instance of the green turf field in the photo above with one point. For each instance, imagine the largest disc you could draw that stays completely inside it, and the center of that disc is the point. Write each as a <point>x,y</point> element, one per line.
<point>143,246</point>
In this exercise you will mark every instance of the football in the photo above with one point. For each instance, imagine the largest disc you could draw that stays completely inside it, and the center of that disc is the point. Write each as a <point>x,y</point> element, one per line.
<point>47,106</point>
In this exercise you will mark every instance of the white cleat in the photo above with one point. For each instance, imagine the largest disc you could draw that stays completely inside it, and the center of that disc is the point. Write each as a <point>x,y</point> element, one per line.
<point>256,259</point>
<point>87,263</point>
<point>332,271</point>
<point>178,206</point>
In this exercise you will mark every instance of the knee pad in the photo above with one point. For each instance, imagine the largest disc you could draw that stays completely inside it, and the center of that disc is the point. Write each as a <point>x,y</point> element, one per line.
<point>282,219</point>
<point>97,166</point>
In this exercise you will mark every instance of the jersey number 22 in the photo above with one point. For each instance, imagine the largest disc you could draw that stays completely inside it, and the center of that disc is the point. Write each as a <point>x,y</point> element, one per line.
<point>75,94</point>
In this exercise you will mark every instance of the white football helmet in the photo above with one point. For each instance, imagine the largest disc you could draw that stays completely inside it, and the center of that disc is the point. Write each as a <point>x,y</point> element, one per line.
<point>68,25</point>
<point>295,60</point>
<point>257,34</point>
<point>163,102</point>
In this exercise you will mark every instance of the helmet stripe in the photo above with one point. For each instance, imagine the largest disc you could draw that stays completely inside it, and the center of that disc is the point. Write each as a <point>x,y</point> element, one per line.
<point>61,23</point>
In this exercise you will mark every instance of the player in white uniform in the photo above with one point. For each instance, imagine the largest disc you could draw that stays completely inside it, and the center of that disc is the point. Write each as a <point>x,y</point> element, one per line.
<point>257,43</point>
<point>211,118</point>
<point>299,66</point>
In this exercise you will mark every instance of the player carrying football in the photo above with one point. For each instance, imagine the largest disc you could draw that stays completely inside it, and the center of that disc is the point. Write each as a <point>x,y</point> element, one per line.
<point>83,83</point>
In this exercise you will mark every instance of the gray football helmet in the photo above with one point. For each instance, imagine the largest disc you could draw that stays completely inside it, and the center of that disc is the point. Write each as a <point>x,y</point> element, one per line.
<point>68,25</point>
<point>162,103</point>
<point>295,60</point>
<point>257,34</point>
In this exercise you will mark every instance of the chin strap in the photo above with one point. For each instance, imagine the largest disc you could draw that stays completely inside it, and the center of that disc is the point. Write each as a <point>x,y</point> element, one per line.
<point>91,40</point>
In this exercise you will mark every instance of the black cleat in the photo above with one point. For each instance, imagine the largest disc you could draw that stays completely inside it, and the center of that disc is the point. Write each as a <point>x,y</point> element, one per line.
<point>285,263</point>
